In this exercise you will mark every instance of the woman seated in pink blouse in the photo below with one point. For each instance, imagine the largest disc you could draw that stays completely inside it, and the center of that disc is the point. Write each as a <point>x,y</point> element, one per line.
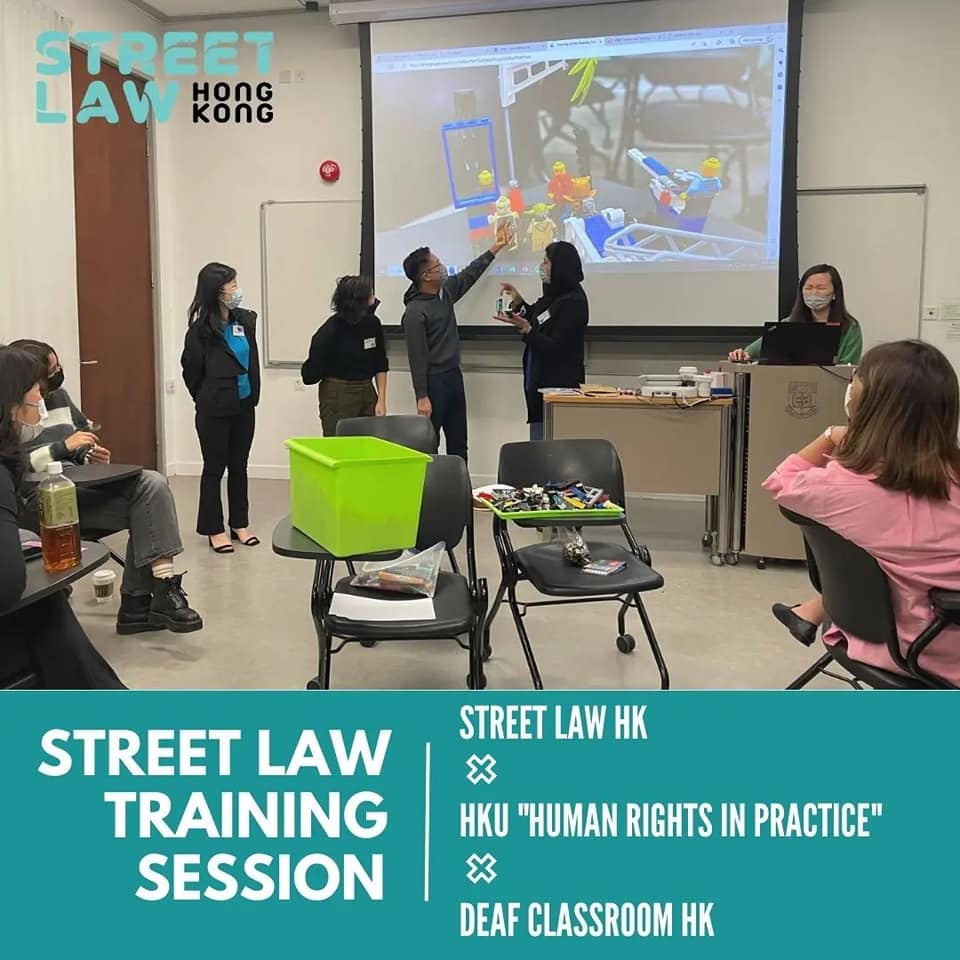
<point>890,483</point>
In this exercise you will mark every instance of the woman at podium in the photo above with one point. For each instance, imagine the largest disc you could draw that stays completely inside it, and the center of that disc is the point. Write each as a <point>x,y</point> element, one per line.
<point>889,483</point>
<point>819,300</point>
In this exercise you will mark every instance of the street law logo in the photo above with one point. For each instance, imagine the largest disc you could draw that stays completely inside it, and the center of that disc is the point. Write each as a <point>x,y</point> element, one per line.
<point>179,54</point>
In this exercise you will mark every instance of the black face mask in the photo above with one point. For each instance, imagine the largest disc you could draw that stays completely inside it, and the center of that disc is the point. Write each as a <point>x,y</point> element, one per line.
<point>373,306</point>
<point>55,382</point>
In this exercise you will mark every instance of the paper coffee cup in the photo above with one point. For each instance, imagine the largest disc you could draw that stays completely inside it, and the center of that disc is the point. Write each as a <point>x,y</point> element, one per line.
<point>103,584</point>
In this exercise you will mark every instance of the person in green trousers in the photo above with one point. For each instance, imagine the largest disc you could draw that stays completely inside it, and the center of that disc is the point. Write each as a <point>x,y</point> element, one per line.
<point>347,356</point>
<point>819,300</point>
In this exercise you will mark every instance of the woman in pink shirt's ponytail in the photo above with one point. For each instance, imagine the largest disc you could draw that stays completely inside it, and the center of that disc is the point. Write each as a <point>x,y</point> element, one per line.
<point>890,483</point>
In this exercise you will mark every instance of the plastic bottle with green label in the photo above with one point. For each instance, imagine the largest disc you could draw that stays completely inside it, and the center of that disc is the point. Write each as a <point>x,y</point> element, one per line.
<point>59,520</point>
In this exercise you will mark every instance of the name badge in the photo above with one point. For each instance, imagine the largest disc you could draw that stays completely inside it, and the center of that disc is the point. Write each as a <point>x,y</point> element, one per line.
<point>369,343</point>
<point>544,317</point>
<point>238,330</point>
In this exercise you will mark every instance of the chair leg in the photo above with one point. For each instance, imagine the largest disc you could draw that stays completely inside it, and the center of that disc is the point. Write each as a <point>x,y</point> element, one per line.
<point>652,640</point>
<point>324,640</point>
<point>476,680</point>
<point>488,622</point>
<point>622,616</point>
<point>524,639</point>
<point>811,672</point>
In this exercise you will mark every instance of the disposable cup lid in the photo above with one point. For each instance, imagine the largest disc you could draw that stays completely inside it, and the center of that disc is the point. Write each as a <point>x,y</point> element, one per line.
<point>104,576</point>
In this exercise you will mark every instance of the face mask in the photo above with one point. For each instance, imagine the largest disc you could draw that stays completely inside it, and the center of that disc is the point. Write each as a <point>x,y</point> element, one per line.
<point>444,274</point>
<point>373,306</point>
<point>544,274</point>
<point>56,381</point>
<point>30,431</point>
<point>817,301</point>
<point>232,300</point>
<point>846,399</point>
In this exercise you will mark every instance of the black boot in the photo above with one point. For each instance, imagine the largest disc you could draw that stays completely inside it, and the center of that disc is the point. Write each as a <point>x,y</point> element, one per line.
<point>134,615</point>
<point>170,608</point>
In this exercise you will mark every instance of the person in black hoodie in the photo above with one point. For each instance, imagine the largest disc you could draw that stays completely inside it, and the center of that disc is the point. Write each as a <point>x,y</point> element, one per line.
<point>553,329</point>
<point>346,354</point>
<point>221,369</point>
<point>46,632</point>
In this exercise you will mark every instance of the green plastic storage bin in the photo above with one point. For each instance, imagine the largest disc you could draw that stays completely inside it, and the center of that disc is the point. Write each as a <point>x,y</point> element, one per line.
<point>356,495</point>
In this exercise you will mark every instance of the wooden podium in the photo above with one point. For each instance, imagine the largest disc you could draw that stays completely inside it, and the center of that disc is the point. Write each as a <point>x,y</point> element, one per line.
<point>779,411</point>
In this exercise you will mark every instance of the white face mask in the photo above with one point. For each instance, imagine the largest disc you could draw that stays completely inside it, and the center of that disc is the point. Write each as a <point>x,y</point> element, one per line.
<point>233,299</point>
<point>846,399</point>
<point>817,301</point>
<point>30,431</point>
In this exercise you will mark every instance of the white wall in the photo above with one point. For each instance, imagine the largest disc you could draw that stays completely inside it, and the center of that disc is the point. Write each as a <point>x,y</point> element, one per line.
<point>223,174</point>
<point>878,106</point>
<point>58,262</point>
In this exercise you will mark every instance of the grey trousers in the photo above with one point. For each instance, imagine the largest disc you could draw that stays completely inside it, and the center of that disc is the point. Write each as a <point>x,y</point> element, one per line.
<point>144,506</point>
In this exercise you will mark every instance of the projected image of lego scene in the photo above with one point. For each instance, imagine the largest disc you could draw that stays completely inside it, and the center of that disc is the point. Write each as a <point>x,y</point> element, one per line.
<point>668,159</point>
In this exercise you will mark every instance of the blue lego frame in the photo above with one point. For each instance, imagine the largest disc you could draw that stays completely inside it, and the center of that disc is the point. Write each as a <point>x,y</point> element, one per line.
<point>490,196</point>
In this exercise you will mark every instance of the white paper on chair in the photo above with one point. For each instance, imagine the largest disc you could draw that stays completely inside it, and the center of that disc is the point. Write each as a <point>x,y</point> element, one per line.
<point>351,607</point>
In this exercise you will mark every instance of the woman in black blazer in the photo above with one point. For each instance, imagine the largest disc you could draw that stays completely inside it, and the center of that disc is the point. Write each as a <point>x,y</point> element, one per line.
<point>221,368</point>
<point>553,329</point>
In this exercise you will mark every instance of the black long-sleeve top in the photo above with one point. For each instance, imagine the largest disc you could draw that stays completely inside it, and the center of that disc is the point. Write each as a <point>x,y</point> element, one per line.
<point>13,569</point>
<point>346,348</point>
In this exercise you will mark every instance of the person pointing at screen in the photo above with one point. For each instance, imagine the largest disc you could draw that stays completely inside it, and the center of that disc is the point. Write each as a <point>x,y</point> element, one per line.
<point>819,300</point>
<point>433,344</point>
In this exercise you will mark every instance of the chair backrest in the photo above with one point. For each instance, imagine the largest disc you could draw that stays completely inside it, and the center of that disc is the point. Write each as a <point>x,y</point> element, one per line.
<point>447,507</point>
<point>855,590</point>
<point>417,433</point>
<point>593,462</point>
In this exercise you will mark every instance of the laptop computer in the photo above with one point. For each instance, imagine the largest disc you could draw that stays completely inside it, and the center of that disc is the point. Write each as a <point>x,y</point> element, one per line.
<point>800,344</point>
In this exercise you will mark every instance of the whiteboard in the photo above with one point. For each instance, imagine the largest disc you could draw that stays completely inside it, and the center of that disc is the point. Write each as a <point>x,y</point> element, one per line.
<point>305,247</point>
<point>875,237</point>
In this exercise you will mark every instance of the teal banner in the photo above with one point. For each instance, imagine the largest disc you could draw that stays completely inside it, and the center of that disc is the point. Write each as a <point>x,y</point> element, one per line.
<point>672,824</point>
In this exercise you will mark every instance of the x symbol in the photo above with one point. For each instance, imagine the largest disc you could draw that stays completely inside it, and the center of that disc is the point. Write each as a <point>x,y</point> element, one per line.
<point>481,768</point>
<point>481,868</point>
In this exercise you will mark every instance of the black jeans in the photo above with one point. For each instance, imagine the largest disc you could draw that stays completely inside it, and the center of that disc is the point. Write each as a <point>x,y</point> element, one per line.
<point>225,443</point>
<point>449,402</point>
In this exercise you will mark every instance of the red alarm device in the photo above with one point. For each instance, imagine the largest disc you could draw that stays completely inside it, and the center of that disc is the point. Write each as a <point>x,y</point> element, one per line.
<point>330,171</point>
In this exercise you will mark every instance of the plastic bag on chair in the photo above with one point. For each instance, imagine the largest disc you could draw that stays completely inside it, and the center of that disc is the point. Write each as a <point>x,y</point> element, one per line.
<point>414,573</point>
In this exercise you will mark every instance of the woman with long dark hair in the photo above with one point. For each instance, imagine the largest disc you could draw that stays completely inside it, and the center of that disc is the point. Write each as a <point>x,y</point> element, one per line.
<point>890,483</point>
<point>347,354</point>
<point>47,631</point>
<point>221,369</point>
<point>820,299</point>
<point>553,329</point>
<point>151,592</point>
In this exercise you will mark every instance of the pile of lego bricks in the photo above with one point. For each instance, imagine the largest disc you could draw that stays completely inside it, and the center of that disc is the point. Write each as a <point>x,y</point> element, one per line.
<point>550,496</point>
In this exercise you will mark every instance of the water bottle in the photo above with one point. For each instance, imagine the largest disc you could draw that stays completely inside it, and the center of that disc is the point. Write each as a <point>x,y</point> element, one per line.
<point>59,520</point>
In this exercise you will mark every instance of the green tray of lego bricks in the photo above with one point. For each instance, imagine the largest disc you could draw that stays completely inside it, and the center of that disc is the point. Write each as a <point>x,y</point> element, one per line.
<point>609,511</point>
<point>356,495</point>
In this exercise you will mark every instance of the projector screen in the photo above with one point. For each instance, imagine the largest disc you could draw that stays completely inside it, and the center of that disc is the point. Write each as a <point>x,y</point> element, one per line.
<point>649,134</point>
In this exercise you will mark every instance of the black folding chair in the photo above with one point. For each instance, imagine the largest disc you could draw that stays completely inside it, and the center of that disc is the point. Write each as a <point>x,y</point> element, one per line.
<point>460,602</point>
<point>856,598</point>
<point>595,463</point>
<point>417,433</point>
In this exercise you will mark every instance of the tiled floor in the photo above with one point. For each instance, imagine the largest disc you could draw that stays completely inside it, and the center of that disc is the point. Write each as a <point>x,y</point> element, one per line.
<point>714,624</point>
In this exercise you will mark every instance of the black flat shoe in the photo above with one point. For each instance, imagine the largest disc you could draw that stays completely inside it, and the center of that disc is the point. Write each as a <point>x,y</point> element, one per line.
<point>223,548</point>
<point>802,630</point>
<point>249,542</point>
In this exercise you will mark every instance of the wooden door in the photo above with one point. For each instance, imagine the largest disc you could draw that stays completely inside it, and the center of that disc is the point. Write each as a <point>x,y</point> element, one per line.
<point>114,274</point>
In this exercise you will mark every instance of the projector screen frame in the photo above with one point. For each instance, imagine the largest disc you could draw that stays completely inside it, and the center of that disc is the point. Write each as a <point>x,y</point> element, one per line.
<point>789,271</point>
